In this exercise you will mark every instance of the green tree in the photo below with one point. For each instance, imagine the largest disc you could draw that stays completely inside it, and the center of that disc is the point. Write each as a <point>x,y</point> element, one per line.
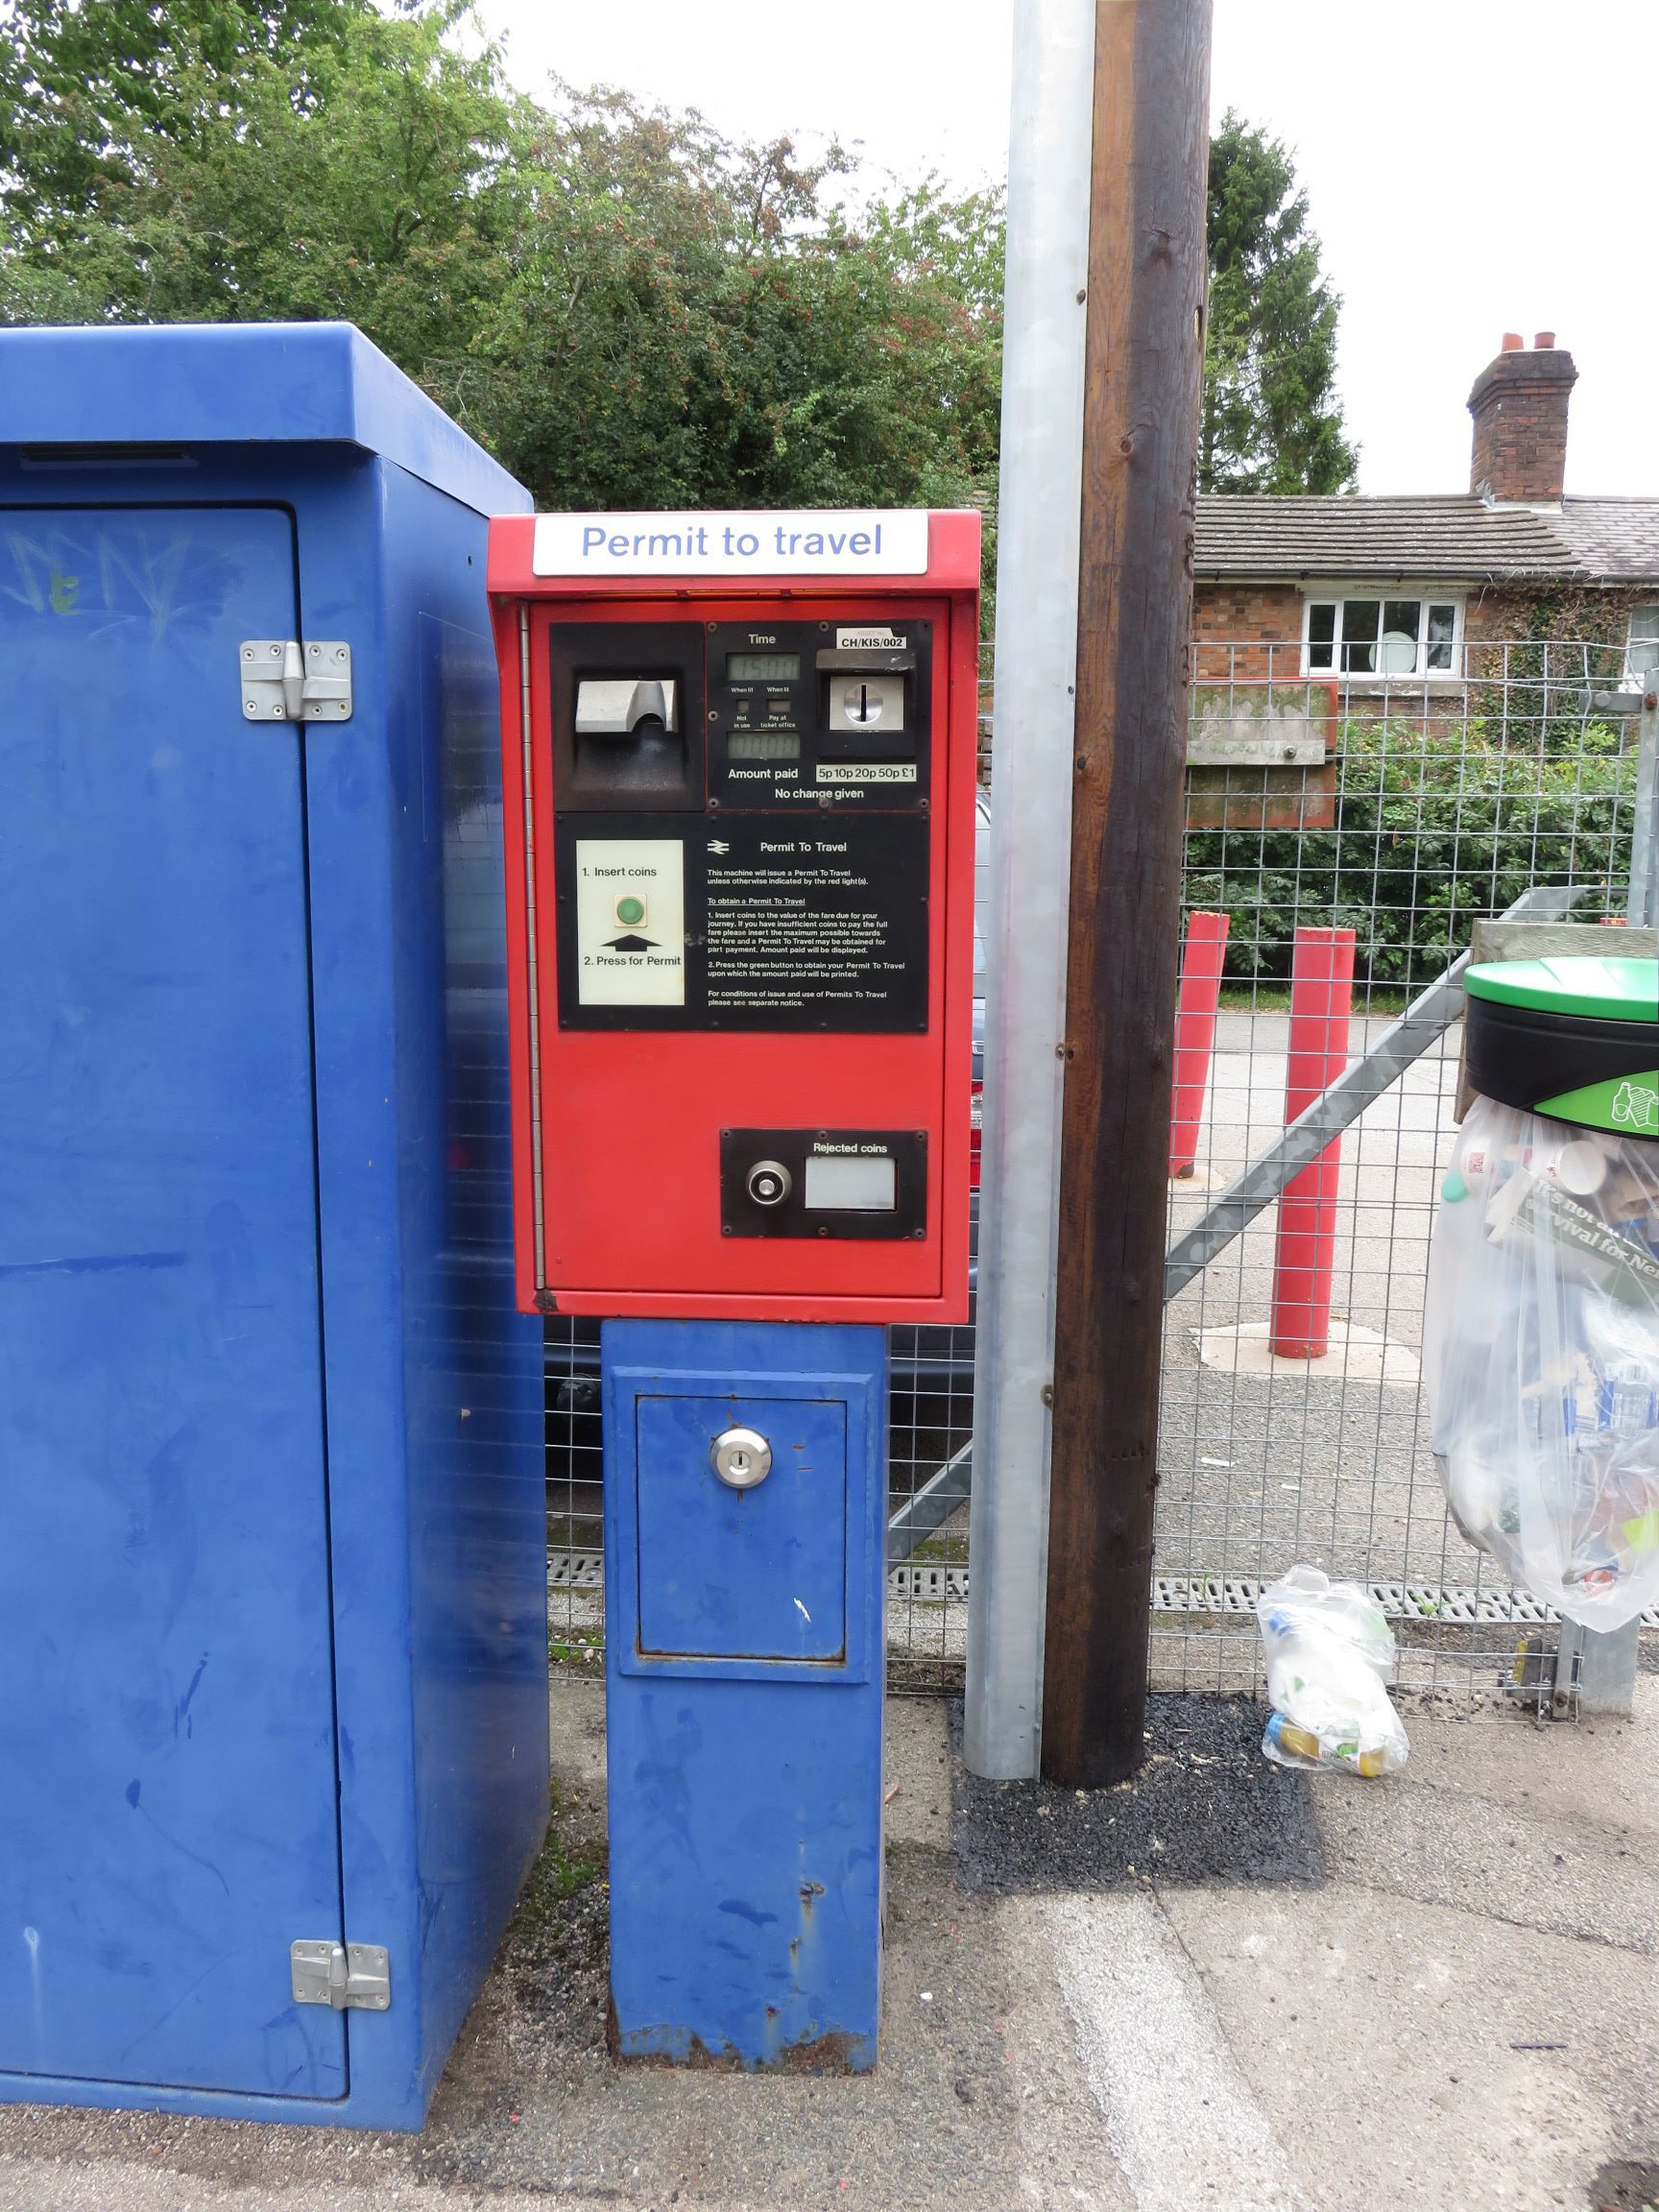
<point>356,170</point>
<point>629,309</point>
<point>1271,420</point>
<point>689,322</point>
<point>84,83</point>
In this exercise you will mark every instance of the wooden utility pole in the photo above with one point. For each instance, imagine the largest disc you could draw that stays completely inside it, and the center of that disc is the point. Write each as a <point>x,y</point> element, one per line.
<point>1144,362</point>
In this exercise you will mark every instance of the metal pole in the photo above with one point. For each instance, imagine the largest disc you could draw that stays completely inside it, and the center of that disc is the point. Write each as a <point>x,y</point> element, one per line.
<point>1044,323</point>
<point>1644,905</point>
<point>1596,1669</point>
<point>1145,356</point>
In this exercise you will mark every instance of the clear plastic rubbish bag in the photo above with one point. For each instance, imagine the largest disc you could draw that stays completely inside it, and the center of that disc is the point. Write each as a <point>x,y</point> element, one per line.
<point>1330,1653</point>
<point>1542,1357</point>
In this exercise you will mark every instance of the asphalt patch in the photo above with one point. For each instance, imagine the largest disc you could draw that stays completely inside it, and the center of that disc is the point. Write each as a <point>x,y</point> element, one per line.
<point>1206,1808</point>
<point>1624,2187</point>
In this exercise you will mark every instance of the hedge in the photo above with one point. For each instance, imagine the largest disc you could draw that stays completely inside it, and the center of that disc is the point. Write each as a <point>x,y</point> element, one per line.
<point>1433,828</point>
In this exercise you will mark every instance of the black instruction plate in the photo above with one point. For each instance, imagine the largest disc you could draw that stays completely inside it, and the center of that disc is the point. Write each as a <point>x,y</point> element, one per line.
<point>743,923</point>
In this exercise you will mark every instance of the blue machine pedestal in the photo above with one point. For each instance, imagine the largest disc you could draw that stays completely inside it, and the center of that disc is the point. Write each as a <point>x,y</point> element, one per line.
<point>744,1678</point>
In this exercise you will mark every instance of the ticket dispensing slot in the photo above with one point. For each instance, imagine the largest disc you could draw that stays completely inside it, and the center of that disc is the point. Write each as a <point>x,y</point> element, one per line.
<point>627,714</point>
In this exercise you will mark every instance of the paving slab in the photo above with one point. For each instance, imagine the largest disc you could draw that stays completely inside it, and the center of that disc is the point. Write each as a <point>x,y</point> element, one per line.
<point>916,1772</point>
<point>576,1729</point>
<point>1601,1770</point>
<point>1069,2157</point>
<point>110,2185</point>
<point>1182,2119</point>
<point>1416,2056</point>
<point>1510,1839</point>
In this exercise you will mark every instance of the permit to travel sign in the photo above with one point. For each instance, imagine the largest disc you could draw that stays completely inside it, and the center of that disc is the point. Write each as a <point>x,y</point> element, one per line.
<point>796,541</point>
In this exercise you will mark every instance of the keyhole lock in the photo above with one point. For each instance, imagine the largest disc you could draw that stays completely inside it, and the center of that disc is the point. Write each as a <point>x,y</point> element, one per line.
<point>741,1457</point>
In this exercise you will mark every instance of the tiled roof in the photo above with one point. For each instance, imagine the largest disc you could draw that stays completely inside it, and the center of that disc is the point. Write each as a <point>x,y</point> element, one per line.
<point>1454,537</point>
<point>1619,539</point>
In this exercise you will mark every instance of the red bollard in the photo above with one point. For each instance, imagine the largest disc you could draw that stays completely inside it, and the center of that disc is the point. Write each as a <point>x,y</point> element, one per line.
<point>1321,999</point>
<point>1201,961</point>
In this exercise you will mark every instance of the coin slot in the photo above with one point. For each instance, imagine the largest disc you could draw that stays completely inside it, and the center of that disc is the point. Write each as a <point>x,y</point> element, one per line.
<point>863,703</point>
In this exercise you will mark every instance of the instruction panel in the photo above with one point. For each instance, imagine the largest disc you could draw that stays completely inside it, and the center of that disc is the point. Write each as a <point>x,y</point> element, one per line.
<point>750,922</point>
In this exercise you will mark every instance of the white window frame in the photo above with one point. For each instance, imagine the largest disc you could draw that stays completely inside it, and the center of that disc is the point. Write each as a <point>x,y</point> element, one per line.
<point>1640,646</point>
<point>1426,596</point>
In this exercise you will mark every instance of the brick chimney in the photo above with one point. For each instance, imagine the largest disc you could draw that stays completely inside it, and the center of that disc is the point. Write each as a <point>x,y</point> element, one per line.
<point>1519,409</point>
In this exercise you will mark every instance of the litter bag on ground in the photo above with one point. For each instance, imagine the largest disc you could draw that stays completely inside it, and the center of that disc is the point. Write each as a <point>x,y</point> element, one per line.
<point>1330,1653</point>
<point>1542,1357</point>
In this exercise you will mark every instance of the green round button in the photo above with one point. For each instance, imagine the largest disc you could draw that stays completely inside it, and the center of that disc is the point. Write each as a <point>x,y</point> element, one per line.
<point>630,910</point>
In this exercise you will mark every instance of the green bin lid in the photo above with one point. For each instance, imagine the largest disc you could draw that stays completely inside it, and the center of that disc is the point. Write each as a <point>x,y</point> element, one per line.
<point>1615,989</point>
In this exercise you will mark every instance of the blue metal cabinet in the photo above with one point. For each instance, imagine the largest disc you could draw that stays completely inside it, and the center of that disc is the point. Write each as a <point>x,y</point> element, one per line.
<point>272,1584</point>
<point>744,1692</point>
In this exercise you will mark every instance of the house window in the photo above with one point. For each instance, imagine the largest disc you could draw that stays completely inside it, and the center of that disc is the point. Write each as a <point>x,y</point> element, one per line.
<point>1642,651</point>
<point>1372,635</point>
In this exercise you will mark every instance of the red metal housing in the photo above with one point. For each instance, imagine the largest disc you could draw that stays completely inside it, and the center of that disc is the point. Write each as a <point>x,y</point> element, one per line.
<point>617,1133</point>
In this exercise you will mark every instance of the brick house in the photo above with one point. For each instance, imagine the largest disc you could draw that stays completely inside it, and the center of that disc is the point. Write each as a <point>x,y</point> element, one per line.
<point>1309,610</point>
<point>1389,590</point>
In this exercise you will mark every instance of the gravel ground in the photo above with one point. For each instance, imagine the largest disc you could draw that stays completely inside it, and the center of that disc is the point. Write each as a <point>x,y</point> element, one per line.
<point>1207,1807</point>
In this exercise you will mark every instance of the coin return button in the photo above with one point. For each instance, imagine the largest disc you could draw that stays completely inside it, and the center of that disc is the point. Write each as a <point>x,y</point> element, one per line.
<point>770,1181</point>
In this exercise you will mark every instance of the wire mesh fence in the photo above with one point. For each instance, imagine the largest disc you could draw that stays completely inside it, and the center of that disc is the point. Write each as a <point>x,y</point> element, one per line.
<point>1403,809</point>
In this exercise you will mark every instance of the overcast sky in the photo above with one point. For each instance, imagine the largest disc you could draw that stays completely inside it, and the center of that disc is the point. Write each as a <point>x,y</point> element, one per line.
<point>1473,166</point>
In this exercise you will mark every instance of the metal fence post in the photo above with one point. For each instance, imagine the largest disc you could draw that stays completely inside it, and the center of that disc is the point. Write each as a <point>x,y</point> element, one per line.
<point>1595,1670</point>
<point>1644,900</point>
<point>1048,166</point>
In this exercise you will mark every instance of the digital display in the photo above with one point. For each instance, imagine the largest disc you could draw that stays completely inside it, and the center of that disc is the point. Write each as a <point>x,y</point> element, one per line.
<point>764,745</point>
<point>762,667</point>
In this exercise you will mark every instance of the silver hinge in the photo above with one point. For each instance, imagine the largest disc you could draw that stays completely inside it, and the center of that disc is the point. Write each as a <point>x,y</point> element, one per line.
<point>283,681</point>
<point>355,1974</point>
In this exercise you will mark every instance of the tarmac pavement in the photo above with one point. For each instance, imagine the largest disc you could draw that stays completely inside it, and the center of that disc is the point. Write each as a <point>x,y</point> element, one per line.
<point>1434,1990</point>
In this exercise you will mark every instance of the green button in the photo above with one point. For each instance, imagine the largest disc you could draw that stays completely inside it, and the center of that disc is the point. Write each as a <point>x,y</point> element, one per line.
<point>630,910</point>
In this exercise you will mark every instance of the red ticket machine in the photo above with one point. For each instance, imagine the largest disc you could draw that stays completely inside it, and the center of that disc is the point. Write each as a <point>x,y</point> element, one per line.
<point>739,755</point>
